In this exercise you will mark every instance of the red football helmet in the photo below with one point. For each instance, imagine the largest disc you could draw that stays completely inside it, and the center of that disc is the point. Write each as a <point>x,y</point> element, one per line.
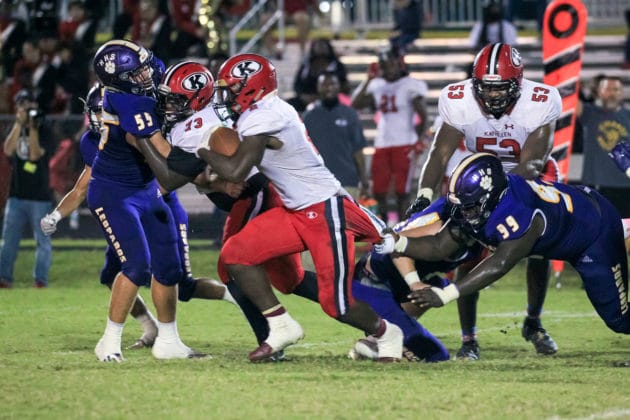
<point>186,87</point>
<point>243,80</point>
<point>497,76</point>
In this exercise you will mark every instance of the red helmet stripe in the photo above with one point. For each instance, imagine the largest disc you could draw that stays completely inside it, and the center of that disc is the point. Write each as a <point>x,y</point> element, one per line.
<point>171,71</point>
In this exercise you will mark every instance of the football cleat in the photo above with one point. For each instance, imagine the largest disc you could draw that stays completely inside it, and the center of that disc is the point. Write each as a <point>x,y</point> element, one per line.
<point>468,351</point>
<point>534,332</point>
<point>141,343</point>
<point>365,348</point>
<point>410,356</point>
<point>175,350</point>
<point>390,344</point>
<point>107,352</point>
<point>281,336</point>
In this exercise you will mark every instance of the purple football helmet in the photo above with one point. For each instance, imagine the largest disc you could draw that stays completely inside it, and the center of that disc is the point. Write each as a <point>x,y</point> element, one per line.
<point>93,104</point>
<point>475,188</point>
<point>125,66</point>
<point>159,68</point>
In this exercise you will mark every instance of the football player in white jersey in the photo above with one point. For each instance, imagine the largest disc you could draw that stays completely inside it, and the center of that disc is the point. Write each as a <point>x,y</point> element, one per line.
<point>183,97</point>
<point>317,214</point>
<point>498,112</point>
<point>398,97</point>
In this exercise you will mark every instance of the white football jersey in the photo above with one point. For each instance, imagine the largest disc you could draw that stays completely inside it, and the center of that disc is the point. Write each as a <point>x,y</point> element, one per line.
<point>296,169</point>
<point>187,134</point>
<point>539,104</point>
<point>394,101</point>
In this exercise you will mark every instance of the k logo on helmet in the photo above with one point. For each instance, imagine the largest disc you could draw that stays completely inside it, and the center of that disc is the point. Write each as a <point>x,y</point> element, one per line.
<point>245,68</point>
<point>195,81</point>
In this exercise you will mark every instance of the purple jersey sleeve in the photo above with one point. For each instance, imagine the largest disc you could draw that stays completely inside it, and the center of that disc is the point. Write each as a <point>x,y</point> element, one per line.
<point>572,218</point>
<point>136,113</point>
<point>89,146</point>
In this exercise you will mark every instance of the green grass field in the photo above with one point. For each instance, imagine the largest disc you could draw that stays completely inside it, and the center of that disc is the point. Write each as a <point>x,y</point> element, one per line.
<point>48,368</point>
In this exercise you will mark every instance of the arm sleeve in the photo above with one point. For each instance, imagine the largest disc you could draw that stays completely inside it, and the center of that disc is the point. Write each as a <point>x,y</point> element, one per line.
<point>184,163</point>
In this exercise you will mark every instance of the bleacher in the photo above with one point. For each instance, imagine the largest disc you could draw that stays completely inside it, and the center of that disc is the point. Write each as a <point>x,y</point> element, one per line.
<point>438,61</point>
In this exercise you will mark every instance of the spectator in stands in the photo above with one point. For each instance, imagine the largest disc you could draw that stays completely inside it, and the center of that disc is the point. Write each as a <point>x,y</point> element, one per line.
<point>72,78</point>
<point>79,27</point>
<point>336,131</point>
<point>408,17</point>
<point>605,122</point>
<point>527,10</point>
<point>399,98</point>
<point>190,39</point>
<point>13,35</point>
<point>492,28</point>
<point>124,19</point>
<point>321,58</point>
<point>33,73</point>
<point>626,53</point>
<point>152,29</point>
<point>296,12</point>
<point>28,147</point>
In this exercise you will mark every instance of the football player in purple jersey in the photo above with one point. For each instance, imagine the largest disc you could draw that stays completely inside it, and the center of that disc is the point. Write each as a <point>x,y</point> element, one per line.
<point>189,287</point>
<point>126,200</point>
<point>515,218</point>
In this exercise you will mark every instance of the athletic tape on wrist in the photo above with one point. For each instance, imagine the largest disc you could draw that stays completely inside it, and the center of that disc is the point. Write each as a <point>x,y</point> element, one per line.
<point>426,193</point>
<point>447,294</point>
<point>412,278</point>
<point>401,244</point>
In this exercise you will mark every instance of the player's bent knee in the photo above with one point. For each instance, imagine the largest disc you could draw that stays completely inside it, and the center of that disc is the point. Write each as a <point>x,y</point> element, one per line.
<point>139,277</point>
<point>620,325</point>
<point>186,289</point>
<point>108,276</point>
<point>169,277</point>
<point>330,309</point>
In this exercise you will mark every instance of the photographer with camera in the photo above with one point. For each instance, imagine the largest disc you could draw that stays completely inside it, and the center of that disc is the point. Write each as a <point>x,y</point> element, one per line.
<point>27,147</point>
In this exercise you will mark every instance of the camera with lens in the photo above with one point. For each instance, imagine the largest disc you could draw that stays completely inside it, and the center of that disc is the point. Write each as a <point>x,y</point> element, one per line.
<point>35,115</point>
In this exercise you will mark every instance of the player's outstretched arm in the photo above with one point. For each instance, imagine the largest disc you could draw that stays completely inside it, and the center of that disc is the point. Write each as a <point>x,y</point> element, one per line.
<point>491,269</point>
<point>68,203</point>
<point>168,179</point>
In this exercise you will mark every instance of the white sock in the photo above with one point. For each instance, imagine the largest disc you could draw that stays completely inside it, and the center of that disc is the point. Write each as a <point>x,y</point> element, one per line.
<point>167,331</point>
<point>113,331</point>
<point>278,320</point>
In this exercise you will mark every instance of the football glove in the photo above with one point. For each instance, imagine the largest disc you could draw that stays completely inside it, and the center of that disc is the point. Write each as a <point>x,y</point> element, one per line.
<point>386,246</point>
<point>49,222</point>
<point>420,203</point>
<point>620,154</point>
<point>434,297</point>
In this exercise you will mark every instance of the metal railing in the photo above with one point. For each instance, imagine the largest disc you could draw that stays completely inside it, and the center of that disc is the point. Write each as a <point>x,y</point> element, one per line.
<point>377,14</point>
<point>256,12</point>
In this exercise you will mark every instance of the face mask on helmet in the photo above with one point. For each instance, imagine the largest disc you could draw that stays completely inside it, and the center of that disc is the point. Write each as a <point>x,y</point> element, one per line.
<point>125,66</point>
<point>224,102</point>
<point>186,87</point>
<point>242,81</point>
<point>93,106</point>
<point>173,106</point>
<point>475,189</point>
<point>497,76</point>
